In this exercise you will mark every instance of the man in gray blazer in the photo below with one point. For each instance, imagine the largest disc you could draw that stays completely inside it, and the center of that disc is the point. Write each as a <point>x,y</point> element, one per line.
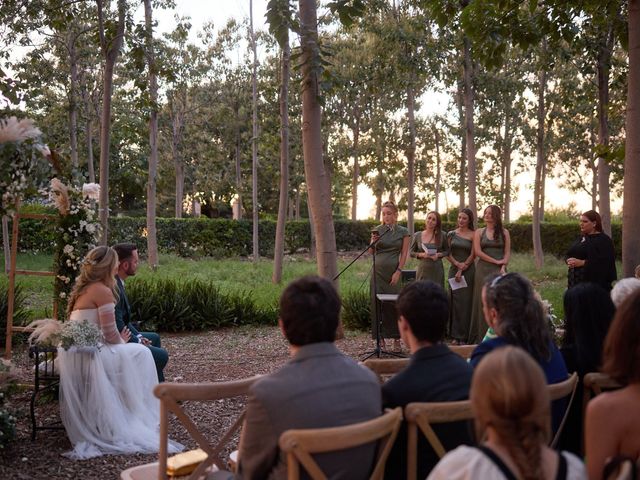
<point>319,387</point>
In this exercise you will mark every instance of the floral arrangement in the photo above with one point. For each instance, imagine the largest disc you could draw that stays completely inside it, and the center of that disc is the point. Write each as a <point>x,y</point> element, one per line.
<point>74,333</point>
<point>77,233</point>
<point>23,165</point>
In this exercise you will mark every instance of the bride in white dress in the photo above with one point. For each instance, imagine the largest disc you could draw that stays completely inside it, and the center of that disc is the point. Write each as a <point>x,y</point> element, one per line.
<point>107,404</point>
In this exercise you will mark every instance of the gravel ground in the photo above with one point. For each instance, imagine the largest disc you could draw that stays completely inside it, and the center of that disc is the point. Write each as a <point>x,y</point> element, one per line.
<point>204,357</point>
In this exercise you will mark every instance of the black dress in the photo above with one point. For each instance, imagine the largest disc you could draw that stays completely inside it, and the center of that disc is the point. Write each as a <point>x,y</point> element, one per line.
<point>600,267</point>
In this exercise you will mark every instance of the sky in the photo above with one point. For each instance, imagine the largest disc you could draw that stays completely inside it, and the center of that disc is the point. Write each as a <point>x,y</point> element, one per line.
<point>219,11</point>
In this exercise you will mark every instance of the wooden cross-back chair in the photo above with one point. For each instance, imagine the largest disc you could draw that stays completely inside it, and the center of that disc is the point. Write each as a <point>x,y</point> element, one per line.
<point>387,367</point>
<point>299,445</point>
<point>171,396</point>
<point>423,415</point>
<point>564,389</point>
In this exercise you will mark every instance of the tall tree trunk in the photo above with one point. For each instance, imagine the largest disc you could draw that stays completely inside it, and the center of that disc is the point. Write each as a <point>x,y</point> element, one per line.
<point>73,104</point>
<point>469,125</point>
<point>315,173</point>
<point>436,136</point>
<point>284,163</point>
<point>542,83</point>
<point>177,160</point>
<point>152,240</point>
<point>356,165</point>
<point>411,158</point>
<point>462,172</point>
<point>506,169</point>
<point>110,50</point>
<point>238,165</point>
<point>254,140</point>
<point>631,199</point>
<point>604,63</point>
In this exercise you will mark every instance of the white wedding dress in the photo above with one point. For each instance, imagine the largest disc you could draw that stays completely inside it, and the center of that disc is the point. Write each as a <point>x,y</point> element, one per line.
<point>107,403</point>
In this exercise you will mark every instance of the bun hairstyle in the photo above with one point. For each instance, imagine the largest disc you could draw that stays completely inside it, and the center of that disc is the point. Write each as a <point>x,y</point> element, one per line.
<point>509,394</point>
<point>97,267</point>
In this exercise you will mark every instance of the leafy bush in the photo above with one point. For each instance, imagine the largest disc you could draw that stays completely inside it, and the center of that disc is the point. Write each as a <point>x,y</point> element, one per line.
<point>222,238</point>
<point>191,305</point>
<point>356,310</point>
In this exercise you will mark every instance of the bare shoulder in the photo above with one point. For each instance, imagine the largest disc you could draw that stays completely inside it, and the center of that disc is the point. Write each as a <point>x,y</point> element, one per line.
<point>98,294</point>
<point>607,405</point>
<point>505,232</point>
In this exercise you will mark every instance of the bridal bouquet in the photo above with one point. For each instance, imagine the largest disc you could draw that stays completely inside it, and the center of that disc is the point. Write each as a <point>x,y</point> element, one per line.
<point>72,333</point>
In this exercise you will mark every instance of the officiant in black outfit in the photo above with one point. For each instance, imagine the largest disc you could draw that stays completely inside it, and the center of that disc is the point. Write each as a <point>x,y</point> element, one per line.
<point>128,257</point>
<point>592,257</point>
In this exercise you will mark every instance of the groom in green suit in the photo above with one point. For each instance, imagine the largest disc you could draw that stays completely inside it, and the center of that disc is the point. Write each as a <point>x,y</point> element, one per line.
<point>128,257</point>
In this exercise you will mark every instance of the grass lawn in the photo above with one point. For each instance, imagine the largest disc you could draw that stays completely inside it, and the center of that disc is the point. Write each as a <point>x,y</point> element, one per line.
<point>255,277</point>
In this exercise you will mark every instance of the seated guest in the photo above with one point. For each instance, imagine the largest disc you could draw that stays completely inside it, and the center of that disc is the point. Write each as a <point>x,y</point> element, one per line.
<point>511,308</point>
<point>511,409</point>
<point>623,288</point>
<point>319,387</point>
<point>588,313</point>
<point>435,373</point>
<point>128,258</point>
<point>612,425</point>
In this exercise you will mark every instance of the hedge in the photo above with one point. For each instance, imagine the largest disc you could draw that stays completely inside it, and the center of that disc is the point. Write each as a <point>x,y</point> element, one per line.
<point>196,237</point>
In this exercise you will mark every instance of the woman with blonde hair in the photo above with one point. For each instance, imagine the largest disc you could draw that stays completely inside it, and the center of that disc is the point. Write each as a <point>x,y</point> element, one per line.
<point>511,408</point>
<point>429,247</point>
<point>107,404</point>
<point>391,248</point>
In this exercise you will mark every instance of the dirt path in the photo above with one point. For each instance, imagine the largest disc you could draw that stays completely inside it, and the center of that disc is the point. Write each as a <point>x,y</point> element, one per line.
<point>209,356</point>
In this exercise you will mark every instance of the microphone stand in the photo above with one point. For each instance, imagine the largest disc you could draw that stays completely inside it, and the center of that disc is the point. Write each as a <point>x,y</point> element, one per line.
<point>378,350</point>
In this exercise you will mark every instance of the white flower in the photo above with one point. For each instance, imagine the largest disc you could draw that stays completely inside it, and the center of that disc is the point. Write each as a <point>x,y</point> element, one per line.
<point>68,249</point>
<point>91,190</point>
<point>63,295</point>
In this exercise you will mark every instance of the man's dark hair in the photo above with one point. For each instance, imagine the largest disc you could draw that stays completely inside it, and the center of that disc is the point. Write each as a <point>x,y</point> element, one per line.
<point>425,306</point>
<point>310,310</point>
<point>125,250</point>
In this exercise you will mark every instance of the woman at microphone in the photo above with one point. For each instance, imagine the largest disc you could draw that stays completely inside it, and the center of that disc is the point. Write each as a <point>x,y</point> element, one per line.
<point>391,249</point>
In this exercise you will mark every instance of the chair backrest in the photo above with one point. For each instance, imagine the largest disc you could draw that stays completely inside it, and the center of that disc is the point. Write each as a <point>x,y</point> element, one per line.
<point>299,445</point>
<point>387,367</point>
<point>566,388</point>
<point>422,415</point>
<point>172,393</point>
<point>464,351</point>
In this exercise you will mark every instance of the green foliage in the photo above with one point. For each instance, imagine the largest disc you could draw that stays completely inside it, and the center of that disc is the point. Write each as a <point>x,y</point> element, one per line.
<point>356,310</point>
<point>182,306</point>
<point>7,422</point>
<point>20,314</point>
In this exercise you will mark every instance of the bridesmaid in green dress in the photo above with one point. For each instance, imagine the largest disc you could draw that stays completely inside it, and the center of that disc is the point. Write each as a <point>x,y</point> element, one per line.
<point>429,247</point>
<point>492,246</point>
<point>461,257</point>
<point>391,254</point>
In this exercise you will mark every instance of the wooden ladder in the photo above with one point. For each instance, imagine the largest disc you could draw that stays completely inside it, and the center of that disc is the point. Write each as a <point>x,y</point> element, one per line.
<point>13,271</point>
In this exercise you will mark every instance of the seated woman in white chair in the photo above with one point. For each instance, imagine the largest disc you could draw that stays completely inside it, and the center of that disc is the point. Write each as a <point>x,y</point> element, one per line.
<point>106,395</point>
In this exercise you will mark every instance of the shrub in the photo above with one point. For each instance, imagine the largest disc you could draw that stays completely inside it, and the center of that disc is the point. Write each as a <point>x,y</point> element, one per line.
<point>191,305</point>
<point>356,310</point>
<point>218,238</point>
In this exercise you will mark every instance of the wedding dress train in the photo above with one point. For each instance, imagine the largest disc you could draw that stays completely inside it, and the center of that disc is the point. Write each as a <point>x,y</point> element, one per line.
<point>107,404</point>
